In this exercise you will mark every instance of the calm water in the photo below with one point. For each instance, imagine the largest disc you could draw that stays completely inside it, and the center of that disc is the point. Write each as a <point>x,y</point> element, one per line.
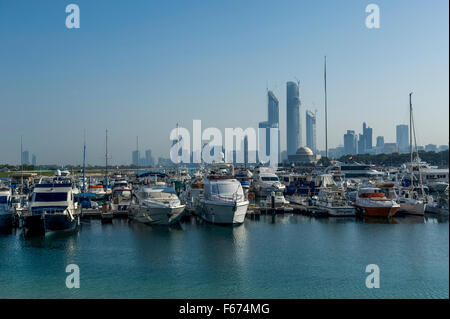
<point>288,256</point>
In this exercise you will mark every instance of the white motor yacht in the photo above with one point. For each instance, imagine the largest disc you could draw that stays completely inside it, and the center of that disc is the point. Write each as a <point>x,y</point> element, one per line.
<point>156,205</point>
<point>223,200</point>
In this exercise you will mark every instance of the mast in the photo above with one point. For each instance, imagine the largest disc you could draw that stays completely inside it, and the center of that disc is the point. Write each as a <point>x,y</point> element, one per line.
<point>106,160</point>
<point>21,160</point>
<point>84,163</point>
<point>137,152</point>
<point>326,109</point>
<point>410,127</point>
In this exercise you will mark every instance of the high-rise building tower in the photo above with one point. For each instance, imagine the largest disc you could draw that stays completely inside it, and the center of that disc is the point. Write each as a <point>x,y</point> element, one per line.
<point>311,130</point>
<point>33,160</point>
<point>380,141</point>
<point>135,158</point>
<point>272,121</point>
<point>272,108</point>
<point>26,158</point>
<point>350,143</point>
<point>293,118</point>
<point>149,161</point>
<point>402,136</point>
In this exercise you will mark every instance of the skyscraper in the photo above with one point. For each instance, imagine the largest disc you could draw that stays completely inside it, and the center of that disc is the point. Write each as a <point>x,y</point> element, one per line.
<point>33,160</point>
<point>272,108</point>
<point>25,158</point>
<point>380,141</point>
<point>311,130</point>
<point>149,158</point>
<point>293,117</point>
<point>367,135</point>
<point>402,136</point>
<point>135,158</point>
<point>272,121</point>
<point>350,143</point>
<point>361,144</point>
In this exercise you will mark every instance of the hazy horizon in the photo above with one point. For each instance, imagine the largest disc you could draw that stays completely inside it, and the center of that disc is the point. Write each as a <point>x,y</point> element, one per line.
<point>138,69</point>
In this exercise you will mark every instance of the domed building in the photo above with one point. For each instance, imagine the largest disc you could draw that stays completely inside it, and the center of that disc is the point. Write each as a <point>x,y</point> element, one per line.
<point>304,155</point>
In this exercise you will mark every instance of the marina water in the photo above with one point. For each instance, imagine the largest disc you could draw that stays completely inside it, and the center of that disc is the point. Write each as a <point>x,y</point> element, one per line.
<point>281,256</point>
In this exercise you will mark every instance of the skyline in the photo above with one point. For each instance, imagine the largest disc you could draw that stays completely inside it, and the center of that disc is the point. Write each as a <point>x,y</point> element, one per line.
<point>131,68</point>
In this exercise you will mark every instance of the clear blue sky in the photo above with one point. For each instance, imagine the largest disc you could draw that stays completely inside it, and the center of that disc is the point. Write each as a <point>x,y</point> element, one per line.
<point>139,67</point>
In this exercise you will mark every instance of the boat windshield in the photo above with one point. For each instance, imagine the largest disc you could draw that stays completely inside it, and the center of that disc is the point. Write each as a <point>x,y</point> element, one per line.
<point>49,197</point>
<point>227,189</point>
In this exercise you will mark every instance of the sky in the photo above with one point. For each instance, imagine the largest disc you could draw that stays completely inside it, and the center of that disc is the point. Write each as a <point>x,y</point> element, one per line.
<point>139,67</point>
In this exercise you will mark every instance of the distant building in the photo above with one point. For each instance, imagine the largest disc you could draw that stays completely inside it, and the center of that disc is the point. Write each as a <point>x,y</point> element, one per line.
<point>272,122</point>
<point>267,127</point>
<point>311,130</point>
<point>33,160</point>
<point>390,148</point>
<point>26,158</point>
<point>293,117</point>
<point>149,161</point>
<point>361,144</point>
<point>336,152</point>
<point>135,158</point>
<point>304,155</point>
<point>380,141</point>
<point>431,148</point>
<point>165,162</point>
<point>443,148</point>
<point>273,112</point>
<point>350,143</point>
<point>367,135</point>
<point>402,137</point>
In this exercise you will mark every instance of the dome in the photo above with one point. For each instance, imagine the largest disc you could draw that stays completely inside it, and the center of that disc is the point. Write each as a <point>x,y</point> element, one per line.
<point>304,151</point>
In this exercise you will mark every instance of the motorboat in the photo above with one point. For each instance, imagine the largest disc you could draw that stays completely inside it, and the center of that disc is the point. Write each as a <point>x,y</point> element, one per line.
<point>156,205</point>
<point>121,200</point>
<point>223,200</point>
<point>265,181</point>
<point>334,202</point>
<point>52,208</point>
<point>274,200</point>
<point>6,208</point>
<point>371,201</point>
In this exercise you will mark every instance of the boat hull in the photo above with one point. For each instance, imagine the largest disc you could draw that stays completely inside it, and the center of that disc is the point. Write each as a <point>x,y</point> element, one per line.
<point>338,211</point>
<point>59,222</point>
<point>34,224</point>
<point>413,208</point>
<point>156,215</point>
<point>223,212</point>
<point>379,211</point>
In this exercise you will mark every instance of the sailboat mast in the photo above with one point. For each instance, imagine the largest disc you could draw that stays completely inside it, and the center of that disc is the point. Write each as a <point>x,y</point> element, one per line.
<point>106,160</point>
<point>21,160</point>
<point>84,162</point>
<point>326,109</point>
<point>410,127</point>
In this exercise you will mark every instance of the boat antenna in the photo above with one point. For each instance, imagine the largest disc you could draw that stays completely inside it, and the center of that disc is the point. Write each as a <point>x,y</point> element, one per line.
<point>326,108</point>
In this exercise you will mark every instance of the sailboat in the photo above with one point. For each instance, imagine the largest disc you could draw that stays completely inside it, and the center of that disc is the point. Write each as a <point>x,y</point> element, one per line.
<point>412,200</point>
